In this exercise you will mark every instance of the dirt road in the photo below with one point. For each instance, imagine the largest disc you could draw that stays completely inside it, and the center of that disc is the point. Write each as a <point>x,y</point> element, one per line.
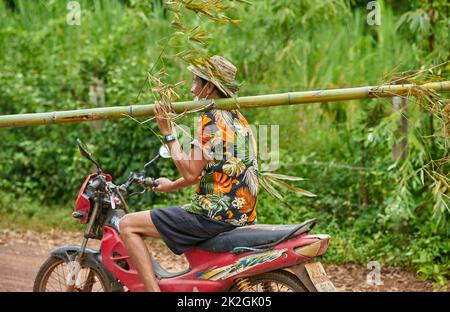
<point>22,253</point>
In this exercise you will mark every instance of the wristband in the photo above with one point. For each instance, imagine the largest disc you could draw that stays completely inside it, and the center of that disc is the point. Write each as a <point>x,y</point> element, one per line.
<point>169,138</point>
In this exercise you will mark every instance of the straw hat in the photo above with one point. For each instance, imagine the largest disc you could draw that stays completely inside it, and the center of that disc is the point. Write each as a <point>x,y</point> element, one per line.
<point>219,71</point>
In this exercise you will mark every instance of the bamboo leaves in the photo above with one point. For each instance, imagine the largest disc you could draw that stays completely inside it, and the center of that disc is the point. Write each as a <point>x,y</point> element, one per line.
<point>269,180</point>
<point>211,9</point>
<point>198,35</point>
<point>190,41</point>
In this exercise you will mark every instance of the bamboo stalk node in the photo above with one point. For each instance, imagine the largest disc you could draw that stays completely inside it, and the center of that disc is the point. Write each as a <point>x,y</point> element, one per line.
<point>318,94</point>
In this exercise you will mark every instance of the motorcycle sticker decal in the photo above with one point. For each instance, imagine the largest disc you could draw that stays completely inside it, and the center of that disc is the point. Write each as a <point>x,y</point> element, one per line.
<point>240,265</point>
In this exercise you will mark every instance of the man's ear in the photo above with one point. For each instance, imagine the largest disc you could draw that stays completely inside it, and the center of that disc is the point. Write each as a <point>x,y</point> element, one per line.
<point>210,87</point>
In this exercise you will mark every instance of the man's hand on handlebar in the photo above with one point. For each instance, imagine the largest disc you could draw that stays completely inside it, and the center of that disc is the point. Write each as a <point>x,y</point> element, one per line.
<point>163,185</point>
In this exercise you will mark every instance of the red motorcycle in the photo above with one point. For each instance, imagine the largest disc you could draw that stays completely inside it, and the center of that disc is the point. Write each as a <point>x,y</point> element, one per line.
<point>258,257</point>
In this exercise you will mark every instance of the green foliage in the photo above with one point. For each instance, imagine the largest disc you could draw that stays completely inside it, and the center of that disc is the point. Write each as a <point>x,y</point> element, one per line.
<point>425,23</point>
<point>22,212</point>
<point>374,208</point>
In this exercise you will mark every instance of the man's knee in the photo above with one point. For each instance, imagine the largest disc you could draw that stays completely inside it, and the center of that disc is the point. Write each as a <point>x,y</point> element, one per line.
<point>137,223</point>
<point>125,226</point>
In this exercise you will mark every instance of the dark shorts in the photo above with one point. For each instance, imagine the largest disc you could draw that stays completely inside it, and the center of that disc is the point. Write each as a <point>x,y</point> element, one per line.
<point>181,230</point>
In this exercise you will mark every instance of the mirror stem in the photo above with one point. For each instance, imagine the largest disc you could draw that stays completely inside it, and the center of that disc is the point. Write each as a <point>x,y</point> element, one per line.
<point>149,163</point>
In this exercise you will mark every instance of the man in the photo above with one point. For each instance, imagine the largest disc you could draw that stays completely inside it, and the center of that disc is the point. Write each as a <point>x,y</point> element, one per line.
<point>222,163</point>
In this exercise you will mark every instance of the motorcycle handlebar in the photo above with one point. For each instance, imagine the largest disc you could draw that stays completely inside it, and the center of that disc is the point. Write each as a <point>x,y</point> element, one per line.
<point>151,182</point>
<point>140,179</point>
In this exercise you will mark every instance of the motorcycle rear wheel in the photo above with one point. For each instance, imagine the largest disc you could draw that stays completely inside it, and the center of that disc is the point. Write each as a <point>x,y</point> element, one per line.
<point>275,281</point>
<point>54,275</point>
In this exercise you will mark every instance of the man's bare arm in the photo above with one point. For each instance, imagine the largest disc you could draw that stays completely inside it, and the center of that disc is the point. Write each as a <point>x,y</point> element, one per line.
<point>190,166</point>
<point>181,183</point>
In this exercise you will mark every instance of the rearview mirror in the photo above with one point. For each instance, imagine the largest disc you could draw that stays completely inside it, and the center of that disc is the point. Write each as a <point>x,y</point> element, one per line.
<point>84,152</point>
<point>83,149</point>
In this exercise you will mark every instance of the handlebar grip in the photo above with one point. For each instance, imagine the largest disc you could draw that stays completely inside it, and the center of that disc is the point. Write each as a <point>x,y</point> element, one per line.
<point>150,182</point>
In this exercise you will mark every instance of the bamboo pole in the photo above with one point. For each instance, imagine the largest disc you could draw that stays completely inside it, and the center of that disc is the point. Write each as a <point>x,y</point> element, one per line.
<point>291,98</point>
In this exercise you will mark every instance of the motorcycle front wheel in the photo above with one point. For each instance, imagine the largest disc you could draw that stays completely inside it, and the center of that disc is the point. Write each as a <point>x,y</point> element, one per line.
<point>56,275</point>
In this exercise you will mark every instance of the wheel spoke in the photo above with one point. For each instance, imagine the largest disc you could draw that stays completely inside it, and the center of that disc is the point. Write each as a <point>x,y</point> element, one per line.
<point>55,279</point>
<point>269,285</point>
<point>59,281</point>
<point>89,281</point>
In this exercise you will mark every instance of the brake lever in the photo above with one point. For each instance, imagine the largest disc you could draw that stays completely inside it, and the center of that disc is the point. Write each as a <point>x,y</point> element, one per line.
<point>132,177</point>
<point>147,184</point>
<point>137,193</point>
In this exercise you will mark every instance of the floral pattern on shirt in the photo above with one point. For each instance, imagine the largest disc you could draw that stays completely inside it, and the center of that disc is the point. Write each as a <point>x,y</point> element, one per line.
<point>228,185</point>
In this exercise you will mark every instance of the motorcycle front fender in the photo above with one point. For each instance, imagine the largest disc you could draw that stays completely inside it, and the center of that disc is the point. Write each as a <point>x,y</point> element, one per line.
<point>92,258</point>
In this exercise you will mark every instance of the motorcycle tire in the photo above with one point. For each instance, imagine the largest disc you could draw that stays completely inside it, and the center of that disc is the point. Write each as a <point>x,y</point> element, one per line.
<point>275,281</point>
<point>47,272</point>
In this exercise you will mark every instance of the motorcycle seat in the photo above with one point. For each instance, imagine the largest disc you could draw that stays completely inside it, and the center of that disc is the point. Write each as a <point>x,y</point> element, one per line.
<point>252,236</point>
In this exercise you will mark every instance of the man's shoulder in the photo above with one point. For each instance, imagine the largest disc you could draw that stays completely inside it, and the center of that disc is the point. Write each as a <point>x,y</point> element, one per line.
<point>215,111</point>
<point>208,114</point>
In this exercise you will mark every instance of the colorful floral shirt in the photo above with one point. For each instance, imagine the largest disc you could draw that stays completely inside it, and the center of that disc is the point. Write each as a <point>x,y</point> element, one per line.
<point>228,185</point>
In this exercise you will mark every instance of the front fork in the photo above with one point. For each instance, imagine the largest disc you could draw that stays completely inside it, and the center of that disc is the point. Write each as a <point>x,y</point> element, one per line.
<point>75,265</point>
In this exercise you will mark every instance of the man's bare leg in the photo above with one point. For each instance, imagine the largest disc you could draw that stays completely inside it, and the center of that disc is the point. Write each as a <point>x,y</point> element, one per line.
<point>132,227</point>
